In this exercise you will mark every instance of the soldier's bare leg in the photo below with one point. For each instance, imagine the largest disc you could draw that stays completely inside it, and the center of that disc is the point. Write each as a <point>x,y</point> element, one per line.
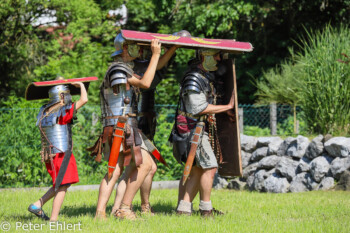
<point>106,188</point>
<point>121,189</point>
<point>145,189</point>
<point>191,190</point>
<point>206,183</point>
<point>45,198</point>
<point>57,202</point>
<point>137,177</point>
<point>192,182</point>
<point>182,191</point>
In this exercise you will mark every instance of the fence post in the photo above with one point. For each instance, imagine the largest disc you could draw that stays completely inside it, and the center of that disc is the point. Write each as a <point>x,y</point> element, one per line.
<point>240,119</point>
<point>273,118</point>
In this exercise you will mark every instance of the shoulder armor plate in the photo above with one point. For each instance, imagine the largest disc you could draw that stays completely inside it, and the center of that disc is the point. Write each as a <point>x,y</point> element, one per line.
<point>195,82</point>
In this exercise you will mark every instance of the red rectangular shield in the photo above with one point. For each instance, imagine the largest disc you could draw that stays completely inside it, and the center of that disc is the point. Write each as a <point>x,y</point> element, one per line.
<point>40,90</point>
<point>230,46</point>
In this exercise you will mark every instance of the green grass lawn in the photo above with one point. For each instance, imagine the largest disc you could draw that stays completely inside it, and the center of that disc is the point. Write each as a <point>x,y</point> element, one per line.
<point>245,212</point>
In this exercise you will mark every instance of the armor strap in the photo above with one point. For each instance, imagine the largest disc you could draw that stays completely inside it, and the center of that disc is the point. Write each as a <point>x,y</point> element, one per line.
<point>197,138</point>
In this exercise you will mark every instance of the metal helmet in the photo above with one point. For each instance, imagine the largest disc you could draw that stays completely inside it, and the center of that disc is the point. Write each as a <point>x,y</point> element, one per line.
<point>182,33</point>
<point>55,94</point>
<point>119,42</point>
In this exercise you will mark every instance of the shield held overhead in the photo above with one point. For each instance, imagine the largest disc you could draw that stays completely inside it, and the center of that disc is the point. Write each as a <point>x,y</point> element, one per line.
<point>229,46</point>
<point>40,90</point>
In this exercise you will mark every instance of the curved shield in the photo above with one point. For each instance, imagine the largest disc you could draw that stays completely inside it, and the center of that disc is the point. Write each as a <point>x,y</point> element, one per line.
<point>228,126</point>
<point>229,46</point>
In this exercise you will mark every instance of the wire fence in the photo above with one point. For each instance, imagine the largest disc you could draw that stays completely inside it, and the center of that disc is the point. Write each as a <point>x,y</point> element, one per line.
<point>17,121</point>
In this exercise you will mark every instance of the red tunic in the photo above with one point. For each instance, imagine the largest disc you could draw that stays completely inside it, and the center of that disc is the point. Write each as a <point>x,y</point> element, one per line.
<point>71,175</point>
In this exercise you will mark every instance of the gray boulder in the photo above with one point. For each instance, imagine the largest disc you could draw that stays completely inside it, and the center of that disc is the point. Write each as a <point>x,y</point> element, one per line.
<point>250,169</point>
<point>344,182</point>
<point>245,158</point>
<point>236,184</point>
<point>304,165</point>
<point>287,168</point>
<point>282,149</point>
<point>219,182</point>
<point>274,145</point>
<point>338,147</point>
<point>269,162</point>
<point>259,178</point>
<point>297,148</point>
<point>311,184</point>
<point>326,184</point>
<point>298,183</point>
<point>315,148</point>
<point>250,182</point>
<point>265,141</point>
<point>248,143</point>
<point>258,182</point>
<point>276,184</point>
<point>319,167</point>
<point>339,165</point>
<point>258,154</point>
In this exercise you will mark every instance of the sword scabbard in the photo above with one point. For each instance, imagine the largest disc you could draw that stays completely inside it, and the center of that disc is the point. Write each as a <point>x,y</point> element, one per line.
<point>191,155</point>
<point>118,136</point>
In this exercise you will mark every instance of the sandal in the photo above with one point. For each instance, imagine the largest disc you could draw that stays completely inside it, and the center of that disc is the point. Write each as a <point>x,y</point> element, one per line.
<point>125,214</point>
<point>146,209</point>
<point>38,211</point>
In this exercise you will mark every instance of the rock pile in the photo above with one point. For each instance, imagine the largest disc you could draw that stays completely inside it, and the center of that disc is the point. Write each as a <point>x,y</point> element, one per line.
<point>271,164</point>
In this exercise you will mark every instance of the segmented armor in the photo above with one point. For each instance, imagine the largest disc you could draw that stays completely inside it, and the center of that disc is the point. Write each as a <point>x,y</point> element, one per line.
<point>55,138</point>
<point>113,93</point>
<point>198,81</point>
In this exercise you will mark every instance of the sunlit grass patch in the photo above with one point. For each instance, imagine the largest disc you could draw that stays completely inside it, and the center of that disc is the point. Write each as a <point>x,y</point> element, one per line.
<point>245,212</point>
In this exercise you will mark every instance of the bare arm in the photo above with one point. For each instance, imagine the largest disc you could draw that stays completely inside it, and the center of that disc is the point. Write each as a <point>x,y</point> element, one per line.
<point>146,80</point>
<point>166,57</point>
<point>83,95</point>
<point>212,109</point>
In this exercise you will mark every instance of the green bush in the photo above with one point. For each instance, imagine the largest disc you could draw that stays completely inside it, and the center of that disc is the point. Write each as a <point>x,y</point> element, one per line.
<point>256,131</point>
<point>317,79</point>
<point>286,128</point>
<point>324,73</point>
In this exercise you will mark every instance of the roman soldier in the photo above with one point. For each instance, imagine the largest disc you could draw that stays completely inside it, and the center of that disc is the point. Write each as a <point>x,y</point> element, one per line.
<point>193,137</point>
<point>119,106</point>
<point>55,121</point>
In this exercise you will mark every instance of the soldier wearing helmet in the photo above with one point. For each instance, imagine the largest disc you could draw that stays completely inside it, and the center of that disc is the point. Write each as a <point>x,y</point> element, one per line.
<point>55,121</point>
<point>197,104</point>
<point>122,82</point>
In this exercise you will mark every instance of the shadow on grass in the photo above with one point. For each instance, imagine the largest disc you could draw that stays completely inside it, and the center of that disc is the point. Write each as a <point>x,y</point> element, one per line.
<point>26,217</point>
<point>73,211</point>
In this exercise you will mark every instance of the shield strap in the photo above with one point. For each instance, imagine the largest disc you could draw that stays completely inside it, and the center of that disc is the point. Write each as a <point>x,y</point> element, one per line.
<point>118,136</point>
<point>65,161</point>
<point>154,151</point>
<point>197,137</point>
